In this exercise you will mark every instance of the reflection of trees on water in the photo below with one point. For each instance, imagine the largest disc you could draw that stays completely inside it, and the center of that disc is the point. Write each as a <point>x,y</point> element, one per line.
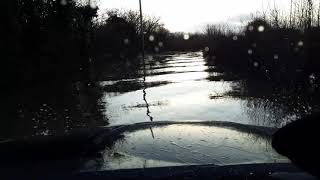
<point>52,111</point>
<point>271,104</point>
<point>145,93</point>
<point>264,112</point>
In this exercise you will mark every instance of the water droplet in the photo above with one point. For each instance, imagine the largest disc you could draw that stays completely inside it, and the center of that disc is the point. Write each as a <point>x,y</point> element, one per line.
<point>93,4</point>
<point>160,44</point>
<point>250,28</point>
<point>250,51</point>
<point>300,43</point>
<point>255,64</point>
<point>126,41</point>
<point>312,77</point>
<point>206,49</point>
<point>276,56</point>
<point>235,38</point>
<point>261,28</point>
<point>63,2</point>
<point>186,36</point>
<point>151,38</point>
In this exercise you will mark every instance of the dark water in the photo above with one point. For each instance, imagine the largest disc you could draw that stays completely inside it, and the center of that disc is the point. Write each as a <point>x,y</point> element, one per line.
<point>174,87</point>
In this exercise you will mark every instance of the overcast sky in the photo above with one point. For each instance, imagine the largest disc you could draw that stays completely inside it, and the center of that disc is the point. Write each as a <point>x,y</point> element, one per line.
<point>191,15</point>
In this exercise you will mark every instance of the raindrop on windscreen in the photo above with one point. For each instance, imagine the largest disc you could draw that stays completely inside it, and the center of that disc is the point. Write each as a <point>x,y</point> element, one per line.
<point>126,41</point>
<point>186,36</point>
<point>261,28</point>
<point>160,44</point>
<point>300,43</point>
<point>250,51</point>
<point>63,2</point>
<point>312,78</point>
<point>93,4</point>
<point>151,38</point>
<point>235,38</point>
<point>206,49</point>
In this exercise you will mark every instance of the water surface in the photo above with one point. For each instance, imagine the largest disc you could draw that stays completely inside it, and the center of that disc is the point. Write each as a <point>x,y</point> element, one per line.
<point>179,87</point>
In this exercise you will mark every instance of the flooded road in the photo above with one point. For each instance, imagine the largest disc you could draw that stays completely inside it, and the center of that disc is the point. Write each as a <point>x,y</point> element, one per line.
<point>182,89</point>
<point>173,87</point>
<point>146,145</point>
<point>179,87</point>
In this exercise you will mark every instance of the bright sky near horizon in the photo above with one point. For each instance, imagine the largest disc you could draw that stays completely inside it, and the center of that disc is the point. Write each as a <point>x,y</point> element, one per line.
<point>191,15</point>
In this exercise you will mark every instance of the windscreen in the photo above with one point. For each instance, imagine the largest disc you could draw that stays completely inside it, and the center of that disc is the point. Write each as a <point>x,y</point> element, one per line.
<point>173,82</point>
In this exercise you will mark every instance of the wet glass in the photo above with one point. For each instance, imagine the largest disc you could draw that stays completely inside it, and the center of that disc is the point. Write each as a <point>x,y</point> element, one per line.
<point>208,87</point>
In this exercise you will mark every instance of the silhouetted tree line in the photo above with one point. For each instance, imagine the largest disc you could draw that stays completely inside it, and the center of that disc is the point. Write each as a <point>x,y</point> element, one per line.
<point>47,40</point>
<point>118,36</point>
<point>272,47</point>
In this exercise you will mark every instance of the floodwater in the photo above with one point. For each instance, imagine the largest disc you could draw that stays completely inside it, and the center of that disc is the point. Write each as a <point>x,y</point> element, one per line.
<point>189,143</point>
<point>181,88</point>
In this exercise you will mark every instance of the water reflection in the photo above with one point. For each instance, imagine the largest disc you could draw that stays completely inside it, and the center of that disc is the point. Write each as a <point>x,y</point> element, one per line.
<point>170,87</point>
<point>184,86</point>
<point>188,144</point>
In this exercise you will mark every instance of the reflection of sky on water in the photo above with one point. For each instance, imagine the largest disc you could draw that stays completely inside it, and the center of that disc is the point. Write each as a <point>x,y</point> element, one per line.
<point>188,96</point>
<point>189,144</point>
